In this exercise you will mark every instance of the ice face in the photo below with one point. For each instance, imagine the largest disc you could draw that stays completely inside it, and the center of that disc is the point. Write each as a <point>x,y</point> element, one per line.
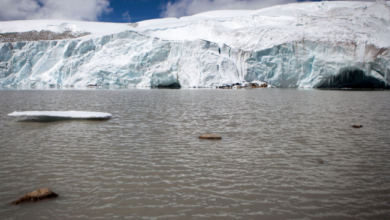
<point>125,59</point>
<point>319,64</point>
<point>131,59</point>
<point>306,45</point>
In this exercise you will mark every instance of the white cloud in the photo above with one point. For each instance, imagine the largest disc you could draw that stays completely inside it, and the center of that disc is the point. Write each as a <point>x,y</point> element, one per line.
<point>126,16</point>
<point>189,7</point>
<point>88,10</point>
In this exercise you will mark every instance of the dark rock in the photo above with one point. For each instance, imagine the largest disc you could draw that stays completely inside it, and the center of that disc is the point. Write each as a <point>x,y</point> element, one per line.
<point>255,85</point>
<point>225,87</point>
<point>357,126</point>
<point>36,196</point>
<point>210,136</point>
<point>170,86</point>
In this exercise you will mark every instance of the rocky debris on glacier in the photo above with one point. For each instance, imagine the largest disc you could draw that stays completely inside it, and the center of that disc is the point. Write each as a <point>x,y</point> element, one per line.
<point>36,196</point>
<point>133,25</point>
<point>41,35</point>
<point>258,85</point>
<point>320,45</point>
<point>245,85</point>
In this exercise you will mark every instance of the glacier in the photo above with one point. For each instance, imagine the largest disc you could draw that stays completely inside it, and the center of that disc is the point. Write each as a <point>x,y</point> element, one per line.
<point>306,45</point>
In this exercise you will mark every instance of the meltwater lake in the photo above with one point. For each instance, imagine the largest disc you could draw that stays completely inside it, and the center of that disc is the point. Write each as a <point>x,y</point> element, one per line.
<point>148,163</point>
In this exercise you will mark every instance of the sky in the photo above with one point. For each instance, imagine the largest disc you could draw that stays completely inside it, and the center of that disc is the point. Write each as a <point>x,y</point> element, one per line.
<point>122,11</point>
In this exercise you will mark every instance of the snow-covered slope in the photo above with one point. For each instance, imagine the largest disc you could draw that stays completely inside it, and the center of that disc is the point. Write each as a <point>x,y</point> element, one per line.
<point>324,44</point>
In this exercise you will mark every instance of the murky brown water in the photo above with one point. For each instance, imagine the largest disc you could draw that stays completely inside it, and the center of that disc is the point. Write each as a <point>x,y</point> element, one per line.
<point>147,162</point>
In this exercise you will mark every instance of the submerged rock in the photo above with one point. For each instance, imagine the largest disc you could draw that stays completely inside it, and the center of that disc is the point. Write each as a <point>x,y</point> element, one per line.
<point>36,196</point>
<point>210,136</point>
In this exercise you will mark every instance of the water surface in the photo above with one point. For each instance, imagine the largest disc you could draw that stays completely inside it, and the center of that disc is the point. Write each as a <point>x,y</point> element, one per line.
<point>147,162</point>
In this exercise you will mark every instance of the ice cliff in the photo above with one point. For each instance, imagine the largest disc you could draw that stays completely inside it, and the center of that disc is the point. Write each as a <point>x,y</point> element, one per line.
<point>326,45</point>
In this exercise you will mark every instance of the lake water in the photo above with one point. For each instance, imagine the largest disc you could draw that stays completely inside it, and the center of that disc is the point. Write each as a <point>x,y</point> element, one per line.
<point>148,163</point>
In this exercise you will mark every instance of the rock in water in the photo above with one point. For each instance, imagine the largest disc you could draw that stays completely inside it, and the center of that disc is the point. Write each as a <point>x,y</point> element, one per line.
<point>357,126</point>
<point>210,136</point>
<point>36,196</point>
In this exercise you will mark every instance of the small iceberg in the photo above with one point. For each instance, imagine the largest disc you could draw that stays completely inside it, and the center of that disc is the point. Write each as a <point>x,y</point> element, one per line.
<point>59,115</point>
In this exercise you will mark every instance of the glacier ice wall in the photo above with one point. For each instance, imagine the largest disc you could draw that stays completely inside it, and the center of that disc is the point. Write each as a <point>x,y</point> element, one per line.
<point>321,64</point>
<point>124,59</point>
<point>325,45</point>
<point>134,60</point>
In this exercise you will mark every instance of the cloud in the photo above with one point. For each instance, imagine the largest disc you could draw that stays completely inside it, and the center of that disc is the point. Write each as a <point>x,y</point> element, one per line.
<point>87,10</point>
<point>181,8</point>
<point>126,16</point>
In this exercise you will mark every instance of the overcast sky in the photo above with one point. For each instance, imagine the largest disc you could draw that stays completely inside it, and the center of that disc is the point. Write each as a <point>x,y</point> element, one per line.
<point>121,10</point>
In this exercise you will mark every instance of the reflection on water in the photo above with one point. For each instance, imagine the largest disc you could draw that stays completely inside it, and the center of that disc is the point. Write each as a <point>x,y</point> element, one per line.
<point>56,119</point>
<point>284,154</point>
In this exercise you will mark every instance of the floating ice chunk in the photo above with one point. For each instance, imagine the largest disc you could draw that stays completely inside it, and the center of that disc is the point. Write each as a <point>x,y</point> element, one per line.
<point>64,114</point>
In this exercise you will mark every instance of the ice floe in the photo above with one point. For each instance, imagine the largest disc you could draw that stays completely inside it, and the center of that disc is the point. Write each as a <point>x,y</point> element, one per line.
<point>64,114</point>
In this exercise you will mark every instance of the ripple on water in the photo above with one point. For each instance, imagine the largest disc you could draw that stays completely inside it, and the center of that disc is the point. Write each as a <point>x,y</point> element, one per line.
<point>147,162</point>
